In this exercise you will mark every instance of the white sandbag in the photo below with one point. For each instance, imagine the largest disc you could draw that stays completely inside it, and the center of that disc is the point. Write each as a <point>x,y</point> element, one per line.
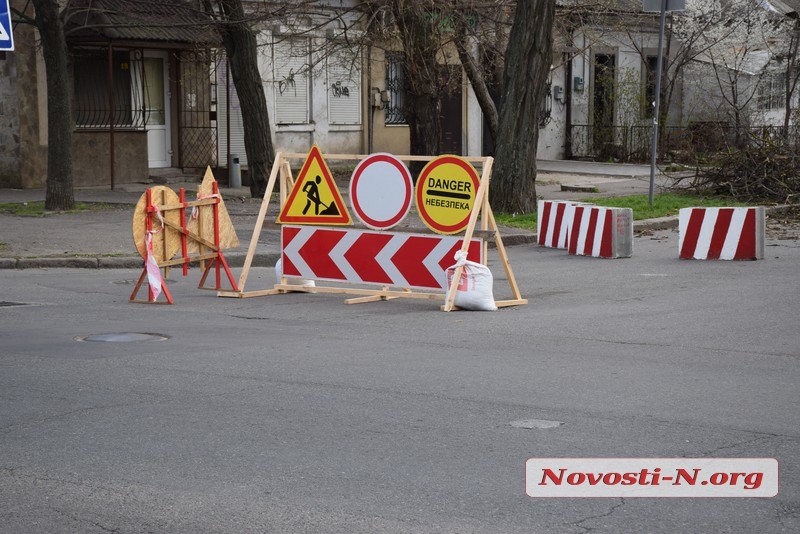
<point>291,281</point>
<point>474,291</point>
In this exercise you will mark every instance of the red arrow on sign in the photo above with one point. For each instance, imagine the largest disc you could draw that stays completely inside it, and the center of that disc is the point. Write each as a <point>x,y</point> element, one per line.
<point>363,253</point>
<point>410,256</point>
<point>359,256</point>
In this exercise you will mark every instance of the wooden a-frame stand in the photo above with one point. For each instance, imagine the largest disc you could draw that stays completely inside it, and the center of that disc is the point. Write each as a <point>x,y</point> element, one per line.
<point>481,208</point>
<point>217,259</point>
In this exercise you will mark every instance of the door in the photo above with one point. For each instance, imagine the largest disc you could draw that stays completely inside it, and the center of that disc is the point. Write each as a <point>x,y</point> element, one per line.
<point>603,113</point>
<point>155,94</point>
<point>451,119</point>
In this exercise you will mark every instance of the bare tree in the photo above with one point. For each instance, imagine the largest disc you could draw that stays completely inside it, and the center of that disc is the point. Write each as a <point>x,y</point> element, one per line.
<point>527,65</point>
<point>59,191</point>
<point>242,52</point>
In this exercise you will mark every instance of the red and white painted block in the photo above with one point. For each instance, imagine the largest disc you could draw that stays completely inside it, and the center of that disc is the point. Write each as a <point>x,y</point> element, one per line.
<point>721,233</point>
<point>371,257</point>
<point>553,218</point>
<point>601,232</point>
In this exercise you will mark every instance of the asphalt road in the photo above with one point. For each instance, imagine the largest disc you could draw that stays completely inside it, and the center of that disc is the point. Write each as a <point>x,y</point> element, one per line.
<point>299,413</point>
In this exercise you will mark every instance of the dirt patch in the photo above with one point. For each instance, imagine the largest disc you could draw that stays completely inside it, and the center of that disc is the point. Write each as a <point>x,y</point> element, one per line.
<point>784,224</point>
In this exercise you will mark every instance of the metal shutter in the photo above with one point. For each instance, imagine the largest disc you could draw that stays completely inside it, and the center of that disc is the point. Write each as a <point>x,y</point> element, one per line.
<point>292,81</point>
<point>224,89</point>
<point>344,89</point>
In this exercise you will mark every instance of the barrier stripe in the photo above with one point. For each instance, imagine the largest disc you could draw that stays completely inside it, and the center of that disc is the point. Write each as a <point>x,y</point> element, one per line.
<point>591,231</point>
<point>721,227</point>
<point>544,225</point>
<point>606,247</point>
<point>692,233</point>
<point>747,243</point>
<point>721,233</point>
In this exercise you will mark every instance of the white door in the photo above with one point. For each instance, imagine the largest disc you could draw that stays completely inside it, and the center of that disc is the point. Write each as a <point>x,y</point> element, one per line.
<point>156,108</point>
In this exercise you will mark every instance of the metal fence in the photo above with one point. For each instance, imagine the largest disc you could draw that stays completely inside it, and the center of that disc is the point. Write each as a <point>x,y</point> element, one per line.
<point>687,144</point>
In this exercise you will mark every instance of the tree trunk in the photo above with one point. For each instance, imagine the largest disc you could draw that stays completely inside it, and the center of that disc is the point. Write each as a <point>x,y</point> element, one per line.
<point>242,52</point>
<point>421,43</point>
<point>528,59</point>
<point>476,79</point>
<point>59,192</point>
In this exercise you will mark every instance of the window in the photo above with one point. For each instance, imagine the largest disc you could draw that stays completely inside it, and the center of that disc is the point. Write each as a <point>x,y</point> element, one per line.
<point>649,97</point>
<point>292,80</point>
<point>772,91</point>
<point>344,89</point>
<point>395,86</point>
<point>92,95</point>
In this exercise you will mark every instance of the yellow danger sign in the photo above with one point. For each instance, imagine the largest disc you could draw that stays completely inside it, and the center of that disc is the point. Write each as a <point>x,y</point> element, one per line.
<point>445,194</point>
<point>315,198</point>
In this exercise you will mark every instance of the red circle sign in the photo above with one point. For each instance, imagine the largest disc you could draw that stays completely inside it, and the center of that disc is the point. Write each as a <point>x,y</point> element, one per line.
<point>446,191</point>
<point>380,191</point>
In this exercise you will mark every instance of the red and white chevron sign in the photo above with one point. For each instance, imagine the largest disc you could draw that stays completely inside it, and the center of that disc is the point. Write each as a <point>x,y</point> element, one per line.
<point>601,232</point>
<point>721,233</point>
<point>370,257</point>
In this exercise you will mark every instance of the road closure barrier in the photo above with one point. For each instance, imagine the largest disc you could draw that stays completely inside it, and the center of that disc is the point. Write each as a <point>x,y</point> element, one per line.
<point>721,233</point>
<point>320,241</point>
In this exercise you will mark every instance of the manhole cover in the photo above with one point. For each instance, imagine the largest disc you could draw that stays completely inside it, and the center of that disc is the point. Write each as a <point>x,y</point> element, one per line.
<point>122,337</point>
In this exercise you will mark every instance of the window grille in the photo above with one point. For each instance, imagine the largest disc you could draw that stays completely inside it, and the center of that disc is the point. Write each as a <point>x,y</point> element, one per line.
<point>395,86</point>
<point>772,92</point>
<point>92,106</point>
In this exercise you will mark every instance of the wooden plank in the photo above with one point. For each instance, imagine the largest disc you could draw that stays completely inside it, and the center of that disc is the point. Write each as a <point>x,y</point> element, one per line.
<point>262,213</point>
<point>480,195</point>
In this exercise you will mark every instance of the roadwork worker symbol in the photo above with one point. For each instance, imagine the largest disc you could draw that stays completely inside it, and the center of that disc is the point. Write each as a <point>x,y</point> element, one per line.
<point>314,198</point>
<point>311,189</point>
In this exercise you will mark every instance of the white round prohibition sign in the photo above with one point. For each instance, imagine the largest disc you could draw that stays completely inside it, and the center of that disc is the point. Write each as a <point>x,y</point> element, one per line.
<point>380,191</point>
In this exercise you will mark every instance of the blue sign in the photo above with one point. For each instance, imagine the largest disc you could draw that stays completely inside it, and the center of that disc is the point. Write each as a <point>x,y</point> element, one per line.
<point>6,37</point>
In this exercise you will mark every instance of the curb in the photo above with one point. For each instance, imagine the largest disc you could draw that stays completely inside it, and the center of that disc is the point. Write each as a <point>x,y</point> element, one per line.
<point>269,259</point>
<point>134,262</point>
<point>263,259</point>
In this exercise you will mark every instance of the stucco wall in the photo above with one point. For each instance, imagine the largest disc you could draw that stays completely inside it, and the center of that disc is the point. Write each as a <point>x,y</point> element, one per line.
<point>9,121</point>
<point>23,149</point>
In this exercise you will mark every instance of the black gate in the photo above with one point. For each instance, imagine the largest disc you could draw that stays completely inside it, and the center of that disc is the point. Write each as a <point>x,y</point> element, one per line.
<point>197,108</point>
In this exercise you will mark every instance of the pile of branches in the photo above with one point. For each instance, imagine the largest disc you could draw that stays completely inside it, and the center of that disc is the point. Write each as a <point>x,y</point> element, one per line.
<point>765,170</point>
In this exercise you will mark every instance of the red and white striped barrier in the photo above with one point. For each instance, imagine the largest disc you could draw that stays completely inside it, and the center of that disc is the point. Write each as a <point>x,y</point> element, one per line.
<point>553,218</point>
<point>721,233</point>
<point>601,232</point>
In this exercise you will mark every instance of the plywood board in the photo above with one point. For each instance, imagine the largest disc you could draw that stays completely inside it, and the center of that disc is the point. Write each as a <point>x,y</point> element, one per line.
<point>166,241</point>
<point>203,224</point>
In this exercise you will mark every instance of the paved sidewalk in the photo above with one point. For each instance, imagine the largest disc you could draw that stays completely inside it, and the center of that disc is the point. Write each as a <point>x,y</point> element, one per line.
<point>104,239</point>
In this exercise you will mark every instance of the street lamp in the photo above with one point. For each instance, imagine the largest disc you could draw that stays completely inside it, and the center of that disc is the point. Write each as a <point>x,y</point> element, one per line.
<point>662,6</point>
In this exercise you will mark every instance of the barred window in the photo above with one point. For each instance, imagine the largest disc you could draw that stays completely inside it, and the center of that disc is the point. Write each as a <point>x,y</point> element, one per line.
<point>395,86</point>
<point>91,86</point>
<point>772,91</point>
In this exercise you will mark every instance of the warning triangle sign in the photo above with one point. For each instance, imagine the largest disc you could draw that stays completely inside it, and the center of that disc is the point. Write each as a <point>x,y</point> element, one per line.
<point>315,198</point>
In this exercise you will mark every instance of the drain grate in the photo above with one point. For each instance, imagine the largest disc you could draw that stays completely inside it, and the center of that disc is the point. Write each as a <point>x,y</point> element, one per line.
<point>122,337</point>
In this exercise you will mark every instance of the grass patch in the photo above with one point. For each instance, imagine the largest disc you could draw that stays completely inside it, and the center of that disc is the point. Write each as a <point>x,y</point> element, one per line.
<point>36,209</point>
<point>664,205</point>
